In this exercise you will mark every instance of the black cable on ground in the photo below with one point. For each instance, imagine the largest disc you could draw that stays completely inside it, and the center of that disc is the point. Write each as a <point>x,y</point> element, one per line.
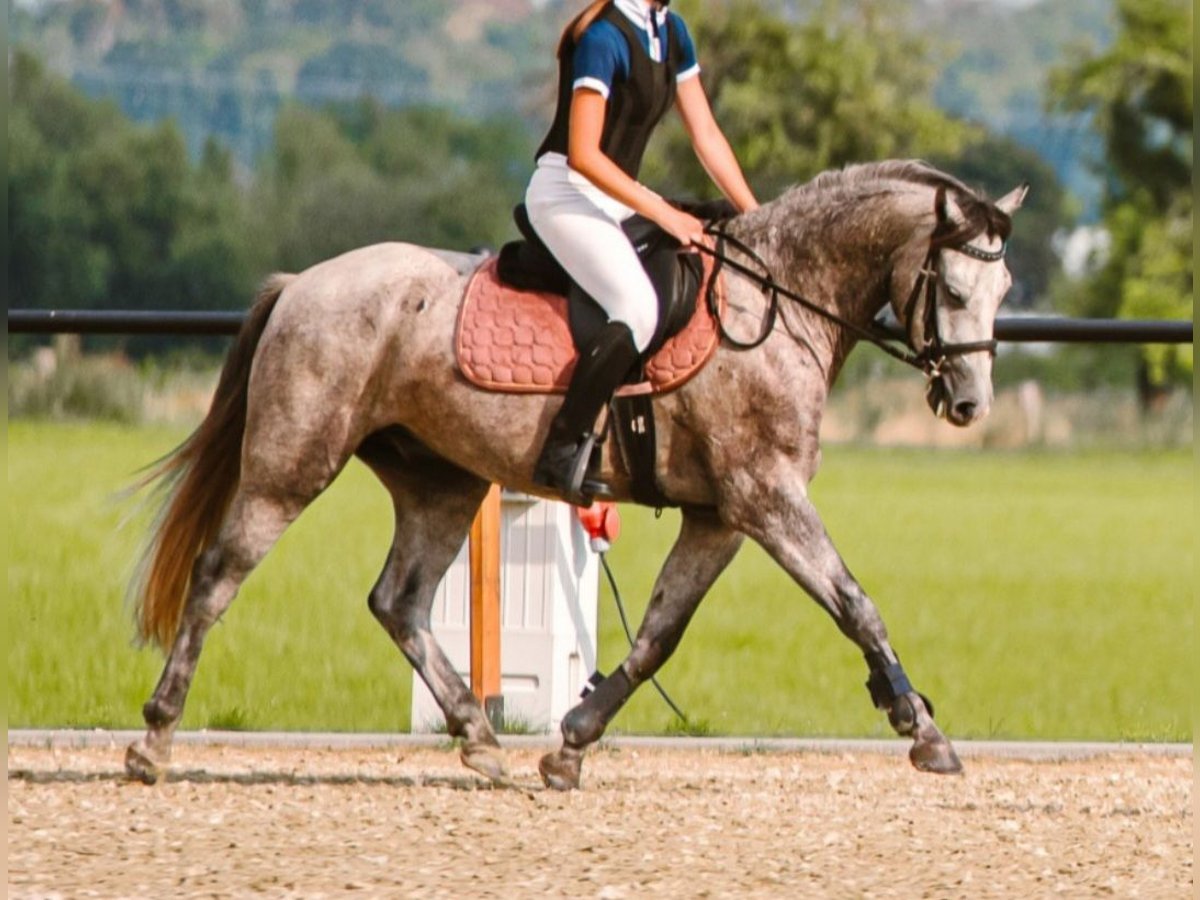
<point>612,583</point>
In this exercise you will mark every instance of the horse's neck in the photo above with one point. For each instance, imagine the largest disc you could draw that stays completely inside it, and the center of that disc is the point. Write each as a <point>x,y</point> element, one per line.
<point>838,279</point>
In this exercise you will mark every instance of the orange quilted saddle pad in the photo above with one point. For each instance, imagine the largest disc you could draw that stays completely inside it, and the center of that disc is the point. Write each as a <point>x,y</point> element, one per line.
<point>520,341</point>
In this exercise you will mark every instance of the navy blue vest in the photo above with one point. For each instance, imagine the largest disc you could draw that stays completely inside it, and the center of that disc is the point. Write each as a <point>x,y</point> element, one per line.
<point>635,106</point>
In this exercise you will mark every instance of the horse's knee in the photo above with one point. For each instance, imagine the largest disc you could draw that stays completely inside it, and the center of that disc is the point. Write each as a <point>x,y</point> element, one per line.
<point>642,320</point>
<point>648,656</point>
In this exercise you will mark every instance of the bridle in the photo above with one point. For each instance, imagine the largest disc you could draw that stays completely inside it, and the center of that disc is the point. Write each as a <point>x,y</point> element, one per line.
<point>930,351</point>
<point>924,349</point>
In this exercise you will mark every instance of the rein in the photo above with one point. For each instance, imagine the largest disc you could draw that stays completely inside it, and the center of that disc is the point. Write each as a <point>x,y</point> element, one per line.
<point>933,352</point>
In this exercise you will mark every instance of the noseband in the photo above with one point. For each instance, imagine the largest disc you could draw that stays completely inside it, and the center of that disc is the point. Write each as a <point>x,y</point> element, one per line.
<point>926,351</point>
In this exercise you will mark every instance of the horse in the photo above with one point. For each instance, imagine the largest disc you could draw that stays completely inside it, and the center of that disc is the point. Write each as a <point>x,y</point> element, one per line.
<point>353,357</point>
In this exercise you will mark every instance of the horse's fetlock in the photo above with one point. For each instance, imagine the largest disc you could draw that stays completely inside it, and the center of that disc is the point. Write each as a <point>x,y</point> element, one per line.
<point>585,723</point>
<point>582,726</point>
<point>456,728</point>
<point>158,713</point>
<point>902,715</point>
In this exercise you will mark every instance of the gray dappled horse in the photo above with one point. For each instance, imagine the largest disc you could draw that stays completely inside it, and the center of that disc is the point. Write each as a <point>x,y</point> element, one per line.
<point>354,356</point>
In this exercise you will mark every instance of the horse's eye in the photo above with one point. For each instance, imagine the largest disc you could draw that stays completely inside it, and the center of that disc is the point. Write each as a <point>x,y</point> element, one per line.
<point>955,294</point>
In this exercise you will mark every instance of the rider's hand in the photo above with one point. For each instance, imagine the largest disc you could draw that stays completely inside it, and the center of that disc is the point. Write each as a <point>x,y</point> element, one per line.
<point>685,228</point>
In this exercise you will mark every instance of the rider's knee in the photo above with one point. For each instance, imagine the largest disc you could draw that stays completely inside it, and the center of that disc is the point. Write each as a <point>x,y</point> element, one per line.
<point>641,315</point>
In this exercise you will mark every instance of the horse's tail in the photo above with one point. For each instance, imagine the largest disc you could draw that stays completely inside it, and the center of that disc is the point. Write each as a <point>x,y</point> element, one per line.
<point>200,477</point>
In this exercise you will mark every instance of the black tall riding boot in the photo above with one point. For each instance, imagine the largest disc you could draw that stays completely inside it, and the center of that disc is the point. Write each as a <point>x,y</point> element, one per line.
<point>601,369</point>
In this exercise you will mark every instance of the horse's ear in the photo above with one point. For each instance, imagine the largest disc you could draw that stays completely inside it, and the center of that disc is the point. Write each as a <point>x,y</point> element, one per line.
<point>1011,202</point>
<point>941,206</point>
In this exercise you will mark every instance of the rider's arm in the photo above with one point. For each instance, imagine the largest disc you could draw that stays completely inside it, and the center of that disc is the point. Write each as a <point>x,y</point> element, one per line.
<point>585,157</point>
<point>712,149</point>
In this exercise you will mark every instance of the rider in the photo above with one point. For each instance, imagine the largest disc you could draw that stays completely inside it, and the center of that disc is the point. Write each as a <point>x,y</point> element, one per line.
<point>621,64</point>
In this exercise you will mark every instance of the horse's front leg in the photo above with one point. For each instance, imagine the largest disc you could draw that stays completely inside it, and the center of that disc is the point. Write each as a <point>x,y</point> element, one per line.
<point>785,523</point>
<point>703,549</point>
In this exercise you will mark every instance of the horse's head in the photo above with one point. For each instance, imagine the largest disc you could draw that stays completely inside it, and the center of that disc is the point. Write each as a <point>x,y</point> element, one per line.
<point>949,307</point>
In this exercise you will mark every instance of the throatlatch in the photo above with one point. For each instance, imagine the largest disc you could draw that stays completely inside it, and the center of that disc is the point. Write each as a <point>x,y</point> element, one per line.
<point>889,686</point>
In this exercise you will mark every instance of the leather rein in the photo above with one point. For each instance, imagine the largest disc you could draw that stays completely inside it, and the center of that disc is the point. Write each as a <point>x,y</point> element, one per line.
<point>932,352</point>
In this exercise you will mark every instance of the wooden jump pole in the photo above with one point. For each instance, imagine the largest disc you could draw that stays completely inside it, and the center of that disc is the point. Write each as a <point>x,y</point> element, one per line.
<point>485,607</point>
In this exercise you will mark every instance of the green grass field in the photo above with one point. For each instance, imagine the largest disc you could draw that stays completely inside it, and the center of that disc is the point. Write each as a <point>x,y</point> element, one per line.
<point>1032,595</point>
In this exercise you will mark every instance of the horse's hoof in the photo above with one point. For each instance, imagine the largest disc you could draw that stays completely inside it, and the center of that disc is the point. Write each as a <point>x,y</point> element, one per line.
<point>487,760</point>
<point>141,766</point>
<point>935,756</point>
<point>560,770</point>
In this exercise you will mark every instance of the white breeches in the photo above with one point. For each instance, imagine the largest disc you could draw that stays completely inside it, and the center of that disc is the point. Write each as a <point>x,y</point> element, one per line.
<point>581,225</point>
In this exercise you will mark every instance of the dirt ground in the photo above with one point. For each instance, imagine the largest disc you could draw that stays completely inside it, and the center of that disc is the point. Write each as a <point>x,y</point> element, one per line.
<point>411,822</point>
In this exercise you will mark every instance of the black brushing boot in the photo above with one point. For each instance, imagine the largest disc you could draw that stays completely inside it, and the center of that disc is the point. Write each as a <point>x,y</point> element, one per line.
<point>601,369</point>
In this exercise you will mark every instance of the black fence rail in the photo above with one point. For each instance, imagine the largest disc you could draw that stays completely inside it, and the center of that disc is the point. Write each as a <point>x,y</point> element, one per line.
<point>1014,329</point>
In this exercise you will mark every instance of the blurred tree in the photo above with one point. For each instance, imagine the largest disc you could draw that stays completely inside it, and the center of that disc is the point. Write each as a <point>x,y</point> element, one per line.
<point>52,260</point>
<point>847,83</point>
<point>351,68</point>
<point>105,213</point>
<point>361,173</point>
<point>130,183</point>
<point>216,256</point>
<point>1140,94</point>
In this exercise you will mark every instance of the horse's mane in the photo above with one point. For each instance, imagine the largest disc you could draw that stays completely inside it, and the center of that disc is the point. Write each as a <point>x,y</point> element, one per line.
<point>863,179</point>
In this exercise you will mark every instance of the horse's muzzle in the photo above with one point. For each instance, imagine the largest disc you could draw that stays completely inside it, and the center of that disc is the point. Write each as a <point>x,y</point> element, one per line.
<point>958,411</point>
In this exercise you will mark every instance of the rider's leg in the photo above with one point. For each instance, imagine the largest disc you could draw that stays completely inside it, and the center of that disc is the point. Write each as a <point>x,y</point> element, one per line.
<point>602,367</point>
<point>581,227</point>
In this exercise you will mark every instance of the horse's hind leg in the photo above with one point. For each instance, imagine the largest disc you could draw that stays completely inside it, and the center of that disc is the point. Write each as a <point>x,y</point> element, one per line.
<point>254,523</point>
<point>702,551</point>
<point>435,503</point>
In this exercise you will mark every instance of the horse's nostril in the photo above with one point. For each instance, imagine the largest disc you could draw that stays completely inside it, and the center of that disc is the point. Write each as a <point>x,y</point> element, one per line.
<point>965,409</point>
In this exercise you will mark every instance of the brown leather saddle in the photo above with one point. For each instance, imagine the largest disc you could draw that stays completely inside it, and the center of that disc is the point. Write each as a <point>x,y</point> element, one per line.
<point>522,318</point>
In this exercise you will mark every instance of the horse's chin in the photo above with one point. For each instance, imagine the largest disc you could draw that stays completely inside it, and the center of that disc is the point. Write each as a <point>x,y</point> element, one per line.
<point>938,398</point>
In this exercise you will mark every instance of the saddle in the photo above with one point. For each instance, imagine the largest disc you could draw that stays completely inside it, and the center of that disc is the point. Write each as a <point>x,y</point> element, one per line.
<point>522,320</point>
